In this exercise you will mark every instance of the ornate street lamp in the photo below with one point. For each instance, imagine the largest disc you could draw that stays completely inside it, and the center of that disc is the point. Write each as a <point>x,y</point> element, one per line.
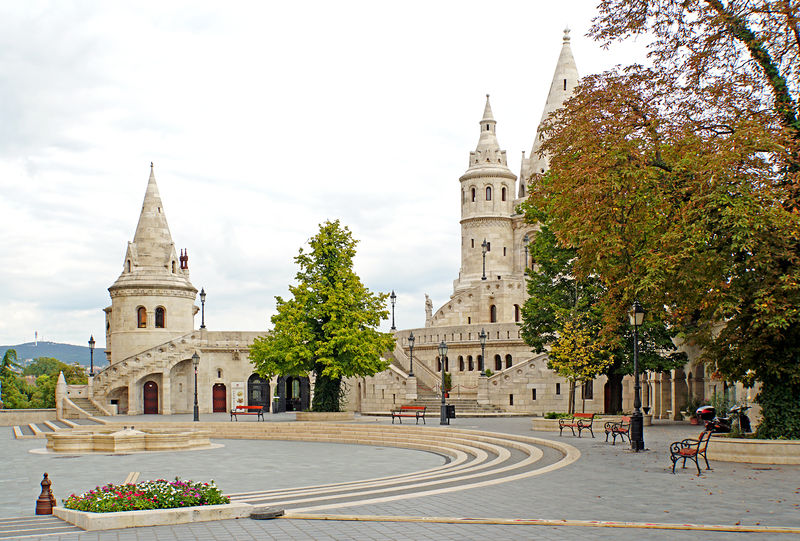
<point>636,316</point>
<point>91,356</point>
<point>393,297</point>
<point>202,308</point>
<point>526,240</point>
<point>195,362</point>
<point>443,420</point>
<point>484,249</point>
<point>411,347</point>
<point>482,338</point>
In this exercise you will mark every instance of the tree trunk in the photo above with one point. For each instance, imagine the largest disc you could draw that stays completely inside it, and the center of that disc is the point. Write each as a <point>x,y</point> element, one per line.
<point>571,397</point>
<point>615,393</point>
<point>327,392</point>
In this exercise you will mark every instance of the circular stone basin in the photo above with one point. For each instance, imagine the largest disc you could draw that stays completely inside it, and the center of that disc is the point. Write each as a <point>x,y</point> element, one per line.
<point>127,440</point>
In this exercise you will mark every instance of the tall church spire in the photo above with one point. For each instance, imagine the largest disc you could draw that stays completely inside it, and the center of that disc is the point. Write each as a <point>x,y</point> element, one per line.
<point>152,238</point>
<point>565,78</point>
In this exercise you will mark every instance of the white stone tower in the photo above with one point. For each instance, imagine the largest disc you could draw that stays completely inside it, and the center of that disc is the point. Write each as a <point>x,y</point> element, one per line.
<point>152,301</point>
<point>487,203</point>
<point>565,79</point>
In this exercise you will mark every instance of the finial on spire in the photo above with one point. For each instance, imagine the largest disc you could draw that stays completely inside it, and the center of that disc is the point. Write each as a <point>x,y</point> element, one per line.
<point>151,165</point>
<point>566,35</point>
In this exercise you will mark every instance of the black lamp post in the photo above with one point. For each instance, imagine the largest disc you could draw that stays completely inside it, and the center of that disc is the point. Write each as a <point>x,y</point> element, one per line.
<point>202,308</point>
<point>195,362</point>
<point>482,338</point>
<point>443,420</point>
<point>393,297</point>
<point>526,240</point>
<point>636,316</point>
<point>484,249</point>
<point>411,348</point>
<point>91,356</point>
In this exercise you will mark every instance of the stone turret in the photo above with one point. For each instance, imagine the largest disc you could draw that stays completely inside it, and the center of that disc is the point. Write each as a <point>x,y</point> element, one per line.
<point>152,301</point>
<point>565,79</point>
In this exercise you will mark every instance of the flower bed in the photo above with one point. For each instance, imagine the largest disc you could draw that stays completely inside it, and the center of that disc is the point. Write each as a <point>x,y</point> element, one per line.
<point>158,494</point>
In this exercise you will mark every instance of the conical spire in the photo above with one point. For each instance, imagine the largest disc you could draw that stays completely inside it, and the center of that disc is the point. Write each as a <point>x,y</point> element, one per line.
<point>152,238</point>
<point>565,78</point>
<point>488,139</point>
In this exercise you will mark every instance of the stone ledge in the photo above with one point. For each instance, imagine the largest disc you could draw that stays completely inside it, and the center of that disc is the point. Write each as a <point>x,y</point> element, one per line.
<point>324,416</point>
<point>152,517</point>
<point>755,451</point>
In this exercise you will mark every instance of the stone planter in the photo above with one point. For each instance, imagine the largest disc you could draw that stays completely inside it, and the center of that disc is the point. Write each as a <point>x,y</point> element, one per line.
<point>324,416</point>
<point>152,517</point>
<point>756,451</point>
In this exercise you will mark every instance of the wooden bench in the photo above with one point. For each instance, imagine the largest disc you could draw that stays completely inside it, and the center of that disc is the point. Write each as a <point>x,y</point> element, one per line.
<point>691,449</point>
<point>248,410</point>
<point>417,412</point>
<point>581,421</point>
<point>618,428</point>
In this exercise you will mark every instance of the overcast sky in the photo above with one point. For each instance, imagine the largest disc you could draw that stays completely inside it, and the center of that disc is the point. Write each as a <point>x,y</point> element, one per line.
<point>263,120</point>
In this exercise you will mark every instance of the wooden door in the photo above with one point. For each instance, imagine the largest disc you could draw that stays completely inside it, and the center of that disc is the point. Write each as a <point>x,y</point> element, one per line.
<point>220,398</point>
<point>151,398</point>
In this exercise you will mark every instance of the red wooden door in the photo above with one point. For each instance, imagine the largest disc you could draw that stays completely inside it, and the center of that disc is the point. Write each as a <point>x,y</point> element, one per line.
<point>151,398</point>
<point>220,396</point>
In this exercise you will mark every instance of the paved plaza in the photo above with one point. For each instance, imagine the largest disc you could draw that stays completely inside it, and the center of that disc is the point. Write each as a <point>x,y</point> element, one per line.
<point>607,483</point>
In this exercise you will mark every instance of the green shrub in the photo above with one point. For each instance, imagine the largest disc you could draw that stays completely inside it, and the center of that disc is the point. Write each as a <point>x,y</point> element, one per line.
<point>158,494</point>
<point>557,415</point>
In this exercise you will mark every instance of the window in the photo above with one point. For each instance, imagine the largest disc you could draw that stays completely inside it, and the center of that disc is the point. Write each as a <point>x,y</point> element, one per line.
<point>128,263</point>
<point>587,390</point>
<point>503,193</point>
<point>511,400</point>
<point>461,363</point>
<point>558,388</point>
<point>472,243</point>
<point>480,363</point>
<point>565,84</point>
<point>446,363</point>
<point>160,317</point>
<point>141,316</point>
<point>470,364</point>
<point>516,312</point>
<point>219,373</point>
<point>173,267</point>
<point>493,314</point>
<point>469,320</point>
<point>438,364</point>
<point>504,251</point>
<point>488,193</point>
<point>498,363</point>
<point>295,388</point>
<point>487,127</point>
<point>473,195</point>
<point>508,361</point>
<point>533,394</point>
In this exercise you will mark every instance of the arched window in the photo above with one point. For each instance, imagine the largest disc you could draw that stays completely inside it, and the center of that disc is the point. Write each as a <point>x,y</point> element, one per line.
<point>446,363</point>
<point>173,263</point>
<point>488,193</point>
<point>516,312</point>
<point>128,265</point>
<point>493,314</point>
<point>161,317</point>
<point>438,364</point>
<point>473,195</point>
<point>141,316</point>
<point>480,363</point>
<point>487,126</point>
<point>503,193</point>
<point>498,363</point>
<point>461,363</point>
<point>508,361</point>
<point>470,364</point>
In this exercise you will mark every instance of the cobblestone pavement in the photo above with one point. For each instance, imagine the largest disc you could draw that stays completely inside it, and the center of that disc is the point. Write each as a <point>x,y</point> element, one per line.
<point>607,483</point>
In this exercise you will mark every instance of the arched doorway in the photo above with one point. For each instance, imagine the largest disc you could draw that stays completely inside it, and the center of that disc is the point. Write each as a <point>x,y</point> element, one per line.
<point>151,398</point>
<point>257,391</point>
<point>220,398</point>
<point>294,393</point>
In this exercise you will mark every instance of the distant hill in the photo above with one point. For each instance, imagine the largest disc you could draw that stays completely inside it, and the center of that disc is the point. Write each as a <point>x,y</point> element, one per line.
<point>66,353</point>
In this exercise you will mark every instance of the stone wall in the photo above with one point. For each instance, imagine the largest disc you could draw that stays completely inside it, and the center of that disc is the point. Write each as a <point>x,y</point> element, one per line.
<point>11,417</point>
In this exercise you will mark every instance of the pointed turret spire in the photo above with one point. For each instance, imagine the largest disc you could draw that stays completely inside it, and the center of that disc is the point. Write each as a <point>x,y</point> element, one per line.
<point>488,149</point>
<point>152,238</point>
<point>565,78</point>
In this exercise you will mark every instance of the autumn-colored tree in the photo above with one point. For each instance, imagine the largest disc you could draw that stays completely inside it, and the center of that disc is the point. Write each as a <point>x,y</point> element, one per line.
<point>678,184</point>
<point>577,355</point>
<point>328,327</point>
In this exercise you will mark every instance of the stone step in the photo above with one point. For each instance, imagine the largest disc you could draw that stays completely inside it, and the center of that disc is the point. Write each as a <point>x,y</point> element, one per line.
<point>15,528</point>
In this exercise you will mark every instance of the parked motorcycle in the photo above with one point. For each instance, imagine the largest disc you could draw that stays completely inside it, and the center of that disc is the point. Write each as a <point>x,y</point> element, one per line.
<point>736,417</point>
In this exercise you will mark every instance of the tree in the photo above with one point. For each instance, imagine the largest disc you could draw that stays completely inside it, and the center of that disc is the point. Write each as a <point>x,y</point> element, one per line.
<point>556,295</point>
<point>9,363</point>
<point>48,366</point>
<point>577,355</point>
<point>328,327</point>
<point>679,185</point>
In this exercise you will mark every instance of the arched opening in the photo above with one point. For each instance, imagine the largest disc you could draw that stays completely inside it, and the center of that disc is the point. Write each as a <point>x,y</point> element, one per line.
<point>498,363</point>
<point>446,363</point>
<point>438,364</point>
<point>141,317</point>
<point>470,363</point>
<point>461,363</point>
<point>151,398</point>
<point>219,398</point>
<point>503,193</point>
<point>473,195</point>
<point>173,263</point>
<point>161,317</point>
<point>488,193</point>
<point>516,313</point>
<point>480,363</point>
<point>508,361</point>
<point>294,393</point>
<point>493,314</point>
<point>257,391</point>
<point>128,265</point>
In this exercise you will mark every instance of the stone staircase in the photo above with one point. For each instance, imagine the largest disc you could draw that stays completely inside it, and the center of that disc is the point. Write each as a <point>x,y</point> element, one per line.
<point>464,406</point>
<point>86,405</point>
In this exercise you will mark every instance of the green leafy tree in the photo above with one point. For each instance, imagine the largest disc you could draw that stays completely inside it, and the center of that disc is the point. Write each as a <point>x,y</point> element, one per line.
<point>328,327</point>
<point>9,364</point>
<point>74,374</point>
<point>679,184</point>
<point>44,393</point>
